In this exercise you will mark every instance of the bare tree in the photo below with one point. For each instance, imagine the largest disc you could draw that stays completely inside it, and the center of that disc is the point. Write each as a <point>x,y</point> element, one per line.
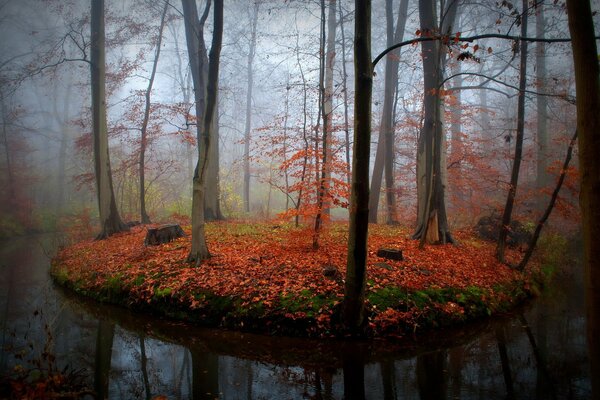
<point>110,221</point>
<point>205,96</point>
<point>587,84</point>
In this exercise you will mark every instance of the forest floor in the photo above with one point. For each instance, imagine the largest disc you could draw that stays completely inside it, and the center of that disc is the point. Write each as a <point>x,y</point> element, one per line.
<point>265,277</point>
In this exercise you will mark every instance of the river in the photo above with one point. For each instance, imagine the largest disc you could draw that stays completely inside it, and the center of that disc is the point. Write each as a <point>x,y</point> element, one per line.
<point>537,352</point>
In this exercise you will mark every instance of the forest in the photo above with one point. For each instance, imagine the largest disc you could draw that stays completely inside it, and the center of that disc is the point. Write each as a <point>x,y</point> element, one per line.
<point>317,168</point>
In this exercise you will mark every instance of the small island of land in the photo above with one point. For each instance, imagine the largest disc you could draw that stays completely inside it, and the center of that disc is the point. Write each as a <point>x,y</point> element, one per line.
<point>266,278</point>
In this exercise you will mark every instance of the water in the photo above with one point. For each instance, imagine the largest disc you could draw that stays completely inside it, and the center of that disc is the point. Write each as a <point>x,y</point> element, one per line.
<point>537,352</point>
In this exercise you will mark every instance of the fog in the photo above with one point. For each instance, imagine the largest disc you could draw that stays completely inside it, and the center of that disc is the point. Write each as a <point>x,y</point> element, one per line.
<point>46,163</point>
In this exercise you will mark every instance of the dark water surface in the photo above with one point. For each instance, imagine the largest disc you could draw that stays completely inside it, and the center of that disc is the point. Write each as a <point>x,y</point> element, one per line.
<point>538,352</point>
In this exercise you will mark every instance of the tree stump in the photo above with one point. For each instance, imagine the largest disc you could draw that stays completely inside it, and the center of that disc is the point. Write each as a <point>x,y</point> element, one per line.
<point>163,234</point>
<point>390,254</point>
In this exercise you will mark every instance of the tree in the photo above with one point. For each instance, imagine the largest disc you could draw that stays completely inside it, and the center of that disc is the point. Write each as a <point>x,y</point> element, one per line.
<point>145,219</point>
<point>542,176</point>
<point>247,129</point>
<point>205,97</point>
<point>514,177</point>
<point>326,94</point>
<point>432,222</point>
<point>587,84</point>
<point>384,157</point>
<point>356,271</point>
<point>110,221</point>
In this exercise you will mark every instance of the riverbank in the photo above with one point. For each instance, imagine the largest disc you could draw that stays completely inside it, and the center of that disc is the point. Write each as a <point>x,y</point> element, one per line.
<point>266,278</point>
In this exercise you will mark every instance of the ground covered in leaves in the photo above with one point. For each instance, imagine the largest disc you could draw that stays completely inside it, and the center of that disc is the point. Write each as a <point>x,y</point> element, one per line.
<point>266,277</point>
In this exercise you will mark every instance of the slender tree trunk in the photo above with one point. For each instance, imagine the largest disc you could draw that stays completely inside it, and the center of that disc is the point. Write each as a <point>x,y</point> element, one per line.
<point>587,84</point>
<point>7,151</point>
<point>248,128</point>
<point>538,229</point>
<point>326,90</point>
<point>384,157</point>
<point>145,219</point>
<point>110,221</point>
<point>542,178</point>
<point>304,138</point>
<point>514,178</point>
<point>144,368</point>
<point>345,90</point>
<point>356,271</point>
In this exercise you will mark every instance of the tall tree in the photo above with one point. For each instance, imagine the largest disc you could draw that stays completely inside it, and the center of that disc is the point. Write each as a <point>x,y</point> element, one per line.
<point>326,91</point>
<point>205,96</point>
<point>384,157</point>
<point>356,267</point>
<point>248,127</point>
<point>587,84</point>
<point>432,221</point>
<point>514,177</point>
<point>542,177</point>
<point>110,221</point>
<point>144,129</point>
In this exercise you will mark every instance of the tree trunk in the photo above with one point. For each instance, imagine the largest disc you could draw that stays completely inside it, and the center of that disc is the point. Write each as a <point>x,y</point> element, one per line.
<point>205,97</point>
<point>542,176</point>
<point>110,221</point>
<point>248,128</point>
<point>587,85</point>
<point>212,204</point>
<point>145,219</point>
<point>384,158</point>
<point>345,91</point>
<point>431,174</point>
<point>514,177</point>
<point>354,294</point>
<point>326,88</point>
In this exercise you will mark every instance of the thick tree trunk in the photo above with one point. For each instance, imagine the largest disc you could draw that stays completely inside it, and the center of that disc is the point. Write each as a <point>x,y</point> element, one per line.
<point>205,110</point>
<point>587,84</point>
<point>514,178</point>
<point>431,156</point>
<point>145,219</point>
<point>356,271</point>
<point>212,204</point>
<point>248,128</point>
<point>110,221</point>
<point>384,158</point>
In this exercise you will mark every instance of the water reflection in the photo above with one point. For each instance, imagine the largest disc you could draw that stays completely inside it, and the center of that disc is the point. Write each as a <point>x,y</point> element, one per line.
<point>537,353</point>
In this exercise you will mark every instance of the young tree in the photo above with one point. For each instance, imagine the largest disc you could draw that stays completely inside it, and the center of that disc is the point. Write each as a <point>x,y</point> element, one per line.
<point>326,94</point>
<point>205,96</point>
<point>248,128</point>
<point>356,268</point>
<point>587,84</point>
<point>145,219</point>
<point>110,221</point>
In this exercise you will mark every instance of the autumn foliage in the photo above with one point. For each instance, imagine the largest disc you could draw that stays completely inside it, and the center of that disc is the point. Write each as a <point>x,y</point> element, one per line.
<point>266,277</point>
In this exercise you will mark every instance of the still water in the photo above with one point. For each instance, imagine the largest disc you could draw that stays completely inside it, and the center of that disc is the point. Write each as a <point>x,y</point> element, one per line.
<point>537,352</point>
